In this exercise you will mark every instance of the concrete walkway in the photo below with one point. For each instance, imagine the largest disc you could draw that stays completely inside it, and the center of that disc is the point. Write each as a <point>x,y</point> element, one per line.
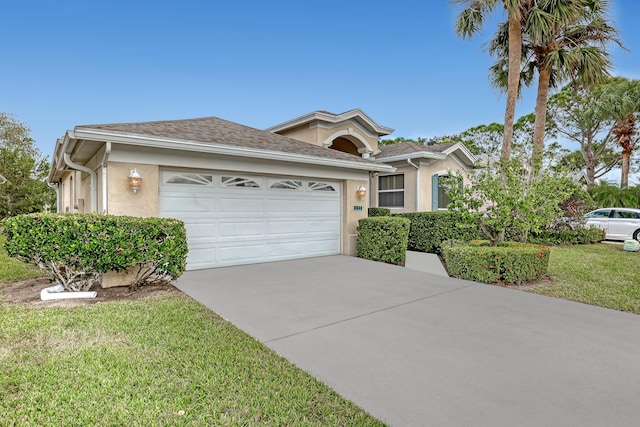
<point>417,349</point>
<point>427,263</point>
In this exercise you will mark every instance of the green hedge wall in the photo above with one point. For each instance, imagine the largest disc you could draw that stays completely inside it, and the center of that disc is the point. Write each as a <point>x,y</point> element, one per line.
<point>383,238</point>
<point>579,236</point>
<point>509,262</point>
<point>378,212</point>
<point>77,248</point>
<point>430,229</point>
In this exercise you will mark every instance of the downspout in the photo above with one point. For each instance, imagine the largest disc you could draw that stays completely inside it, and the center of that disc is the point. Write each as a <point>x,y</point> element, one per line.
<point>94,188</point>
<point>417,184</point>
<point>59,195</point>
<point>56,186</point>
<point>105,160</point>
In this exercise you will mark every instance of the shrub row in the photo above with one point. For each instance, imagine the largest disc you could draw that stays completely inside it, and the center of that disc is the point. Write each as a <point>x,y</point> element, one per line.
<point>378,212</point>
<point>509,262</point>
<point>579,236</point>
<point>75,249</point>
<point>430,229</point>
<point>383,238</point>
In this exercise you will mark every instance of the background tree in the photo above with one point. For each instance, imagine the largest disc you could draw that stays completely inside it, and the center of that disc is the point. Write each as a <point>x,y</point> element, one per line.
<point>484,140</point>
<point>389,141</point>
<point>620,102</point>
<point>575,113</point>
<point>471,20</point>
<point>25,170</point>
<point>441,139</point>
<point>607,195</point>
<point>562,40</point>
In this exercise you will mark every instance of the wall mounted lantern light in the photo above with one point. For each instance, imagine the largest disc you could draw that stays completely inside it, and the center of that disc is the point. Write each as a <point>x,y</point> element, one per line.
<point>135,180</point>
<point>361,192</point>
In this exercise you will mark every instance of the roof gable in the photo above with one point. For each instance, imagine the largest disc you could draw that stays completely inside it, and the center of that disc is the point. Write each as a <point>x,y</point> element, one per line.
<point>321,116</point>
<point>410,150</point>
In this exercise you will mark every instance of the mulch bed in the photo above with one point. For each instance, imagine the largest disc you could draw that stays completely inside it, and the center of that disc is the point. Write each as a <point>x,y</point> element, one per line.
<point>28,293</point>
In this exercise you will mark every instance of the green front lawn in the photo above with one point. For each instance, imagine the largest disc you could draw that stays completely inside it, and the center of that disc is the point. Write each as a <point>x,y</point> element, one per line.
<point>12,270</point>
<point>601,274</point>
<point>159,361</point>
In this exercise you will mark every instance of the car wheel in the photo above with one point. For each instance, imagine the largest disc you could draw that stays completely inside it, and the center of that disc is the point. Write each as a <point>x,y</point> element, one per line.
<point>636,235</point>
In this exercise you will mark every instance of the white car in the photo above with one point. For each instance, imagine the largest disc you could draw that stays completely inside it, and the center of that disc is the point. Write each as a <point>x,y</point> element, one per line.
<point>618,223</point>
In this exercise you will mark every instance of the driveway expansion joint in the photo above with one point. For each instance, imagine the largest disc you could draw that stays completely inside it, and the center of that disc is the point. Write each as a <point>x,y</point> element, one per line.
<point>367,314</point>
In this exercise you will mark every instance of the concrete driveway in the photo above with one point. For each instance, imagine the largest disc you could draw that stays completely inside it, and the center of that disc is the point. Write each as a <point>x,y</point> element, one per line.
<point>416,349</point>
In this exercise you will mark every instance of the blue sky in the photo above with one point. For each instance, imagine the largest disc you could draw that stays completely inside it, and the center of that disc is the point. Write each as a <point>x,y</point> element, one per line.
<point>73,62</point>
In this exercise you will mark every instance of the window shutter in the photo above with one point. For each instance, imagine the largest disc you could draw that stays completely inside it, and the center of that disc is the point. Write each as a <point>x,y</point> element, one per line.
<point>434,192</point>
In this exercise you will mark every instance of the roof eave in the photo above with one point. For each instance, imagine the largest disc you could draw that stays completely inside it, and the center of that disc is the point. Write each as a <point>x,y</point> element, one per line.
<point>460,146</point>
<point>416,155</point>
<point>56,159</point>
<point>187,145</point>
<point>332,118</point>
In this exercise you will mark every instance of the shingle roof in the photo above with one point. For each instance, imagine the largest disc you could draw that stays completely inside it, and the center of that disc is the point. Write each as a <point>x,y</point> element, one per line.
<point>214,130</point>
<point>409,147</point>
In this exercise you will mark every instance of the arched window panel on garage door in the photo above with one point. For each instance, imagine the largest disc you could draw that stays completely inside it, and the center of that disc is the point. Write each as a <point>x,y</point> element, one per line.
<point>286,184</point>
<point>320,186</point>
<point>190,179</point>
<point>238,181</point>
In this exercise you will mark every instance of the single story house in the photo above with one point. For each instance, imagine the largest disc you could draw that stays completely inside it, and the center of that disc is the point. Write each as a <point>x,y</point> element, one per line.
<point>247,195</point>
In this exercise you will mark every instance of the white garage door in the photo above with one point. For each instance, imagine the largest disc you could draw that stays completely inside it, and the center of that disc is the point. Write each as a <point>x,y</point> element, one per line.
<point>243,219</point>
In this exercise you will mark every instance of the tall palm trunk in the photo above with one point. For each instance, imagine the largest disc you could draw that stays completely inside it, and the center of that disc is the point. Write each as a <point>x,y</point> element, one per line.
<point>626,161</point>
<point>513,80</point>
<point>623,131</point>
<point>540,122</point>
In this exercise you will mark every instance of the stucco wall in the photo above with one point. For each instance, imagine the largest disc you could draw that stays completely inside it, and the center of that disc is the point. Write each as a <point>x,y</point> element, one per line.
<point>302,133</point>
<point>122,201</point>
<point>350,130</point>
<point>351,214</point>
<point>74,187</point>
<point>427,169</point>
<point>319,134</point>
<point>426,173</point>
<point>409,173</point>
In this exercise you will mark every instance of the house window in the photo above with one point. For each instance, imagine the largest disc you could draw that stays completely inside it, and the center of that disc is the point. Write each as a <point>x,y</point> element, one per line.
<point>287,184</point>
<point>191,179</point>
<point>320,186</point>
<point>444,181</point>
<point>391,191</point>
<point>235,181</point>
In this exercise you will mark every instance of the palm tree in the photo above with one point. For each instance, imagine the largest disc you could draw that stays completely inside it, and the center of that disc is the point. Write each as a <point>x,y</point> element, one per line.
<point>471,20</point>
<point>562,40</point>
<point>607,195</point>
<point>621,102</point>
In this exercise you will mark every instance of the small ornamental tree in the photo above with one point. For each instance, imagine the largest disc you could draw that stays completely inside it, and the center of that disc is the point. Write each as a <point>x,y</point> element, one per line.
<point>503,197</point>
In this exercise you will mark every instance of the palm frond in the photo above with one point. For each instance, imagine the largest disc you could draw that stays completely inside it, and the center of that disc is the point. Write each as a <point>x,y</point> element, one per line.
<point>472,18</point>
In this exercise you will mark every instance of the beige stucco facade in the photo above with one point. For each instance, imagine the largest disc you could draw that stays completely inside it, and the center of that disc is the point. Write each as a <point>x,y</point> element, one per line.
<point>103,161</point>
<point>418,188</point>
<point>353,210</point>
<point>363,140</point>
<point>122,200</point>
<point>352,131</point>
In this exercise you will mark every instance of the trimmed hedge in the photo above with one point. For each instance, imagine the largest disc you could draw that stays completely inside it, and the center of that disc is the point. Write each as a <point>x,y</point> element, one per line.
<point>378,212</point>
<point>75,249</point>
<point>430,229</point>
<point>579,236</point>
<point>508,262</point>
<point>383,238</point>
